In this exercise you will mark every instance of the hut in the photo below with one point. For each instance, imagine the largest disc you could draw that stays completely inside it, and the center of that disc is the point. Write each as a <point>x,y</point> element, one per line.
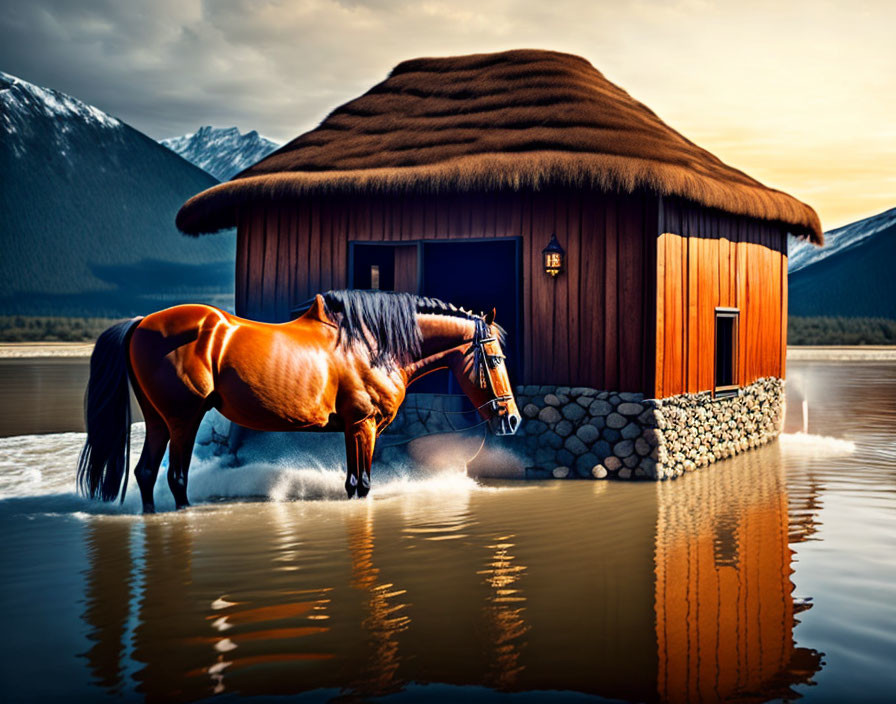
<point>642,281</point>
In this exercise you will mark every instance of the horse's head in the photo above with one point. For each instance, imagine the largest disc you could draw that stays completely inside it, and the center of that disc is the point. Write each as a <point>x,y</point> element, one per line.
<point>483,377</point>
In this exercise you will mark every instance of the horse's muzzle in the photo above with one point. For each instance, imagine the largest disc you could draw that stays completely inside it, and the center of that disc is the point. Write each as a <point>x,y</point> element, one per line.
<point>504,424</point>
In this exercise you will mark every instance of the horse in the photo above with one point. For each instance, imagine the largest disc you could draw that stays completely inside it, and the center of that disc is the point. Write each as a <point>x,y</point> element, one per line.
<point>344,365</point>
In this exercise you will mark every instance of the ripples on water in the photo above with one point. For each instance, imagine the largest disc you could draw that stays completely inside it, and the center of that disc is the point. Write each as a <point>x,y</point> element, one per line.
<point>751,580</point>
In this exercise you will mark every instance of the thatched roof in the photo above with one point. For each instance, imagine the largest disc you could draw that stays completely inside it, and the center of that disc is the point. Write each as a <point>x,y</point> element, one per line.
<point>515,119</point>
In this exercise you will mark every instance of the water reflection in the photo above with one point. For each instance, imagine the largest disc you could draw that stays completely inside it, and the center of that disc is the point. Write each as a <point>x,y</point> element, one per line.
<point>504,613</point>
<point>675,592</point>
<point>724,611</point>
<point>107,595</point>
<point>385,614</point>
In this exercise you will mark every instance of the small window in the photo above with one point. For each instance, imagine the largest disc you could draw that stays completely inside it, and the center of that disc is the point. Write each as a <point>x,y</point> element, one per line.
<point>375,277</point>
<point>726,351</point>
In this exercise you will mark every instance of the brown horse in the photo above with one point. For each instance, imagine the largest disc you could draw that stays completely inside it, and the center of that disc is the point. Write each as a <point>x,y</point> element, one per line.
<point>344,366</point>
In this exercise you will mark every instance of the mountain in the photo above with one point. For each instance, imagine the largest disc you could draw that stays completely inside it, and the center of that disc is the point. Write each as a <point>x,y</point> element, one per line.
<point>802,253</point>
<point>851,276</point>
<point>223,152</point>
<point>88,206</point>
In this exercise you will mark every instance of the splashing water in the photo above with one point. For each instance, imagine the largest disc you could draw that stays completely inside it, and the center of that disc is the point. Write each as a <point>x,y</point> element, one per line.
<point>816,445</point>
<point>37,475</point>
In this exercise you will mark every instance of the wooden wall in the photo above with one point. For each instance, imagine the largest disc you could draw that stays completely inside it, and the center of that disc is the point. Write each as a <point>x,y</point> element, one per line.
<point>707,259</point>
<point>592,326</point>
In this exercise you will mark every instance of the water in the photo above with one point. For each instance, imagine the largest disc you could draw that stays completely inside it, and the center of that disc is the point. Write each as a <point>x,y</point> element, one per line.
<point>771,576</point>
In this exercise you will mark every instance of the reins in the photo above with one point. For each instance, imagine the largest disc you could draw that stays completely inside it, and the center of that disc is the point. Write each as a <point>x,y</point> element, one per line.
<point>380,444</point>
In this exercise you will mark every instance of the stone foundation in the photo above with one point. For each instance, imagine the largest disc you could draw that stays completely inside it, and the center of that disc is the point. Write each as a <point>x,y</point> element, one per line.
<point>582,432</point>
<point>567,432</point>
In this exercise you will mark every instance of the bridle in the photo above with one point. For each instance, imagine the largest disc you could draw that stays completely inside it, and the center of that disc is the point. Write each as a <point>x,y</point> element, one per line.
<point>483,362</point>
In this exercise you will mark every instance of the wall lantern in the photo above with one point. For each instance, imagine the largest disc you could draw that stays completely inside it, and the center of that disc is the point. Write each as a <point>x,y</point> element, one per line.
<point>553,256</point>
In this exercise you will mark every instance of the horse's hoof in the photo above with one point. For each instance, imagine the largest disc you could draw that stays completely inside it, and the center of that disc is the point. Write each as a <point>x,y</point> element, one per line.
<point>350,490</point>
<point>149,508</point>
<point>364,486</point>
<point>182,506</point>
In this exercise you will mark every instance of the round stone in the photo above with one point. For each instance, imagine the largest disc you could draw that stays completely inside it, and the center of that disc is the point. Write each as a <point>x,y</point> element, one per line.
<point>563,428</point>
<point>630,409</point>
<point>630,396</point>
<point>551,439</point>
<point>565,457</point>
<point>588,434</point>
<point>600,408</point>
<point>625,473</point>
<point>614,420</point>
<point>642,447</point>
<point>530,390</point>
<point>598,422</point>
<point>573,411</point>
<point>599,471</point>
<point>651,435</point>
<point>582,391</point>
<point>648,417</point>
<point>611,435</point>
<point>602,449</point>
<point>560,472</point>
<point>612,463</point>
<point>549,415</point>
<point>631,431</point>
<point>631,461</point>
<point>530,410</point>
<point>623,448</point>
<point>575,446</point>
<point>552,400</point>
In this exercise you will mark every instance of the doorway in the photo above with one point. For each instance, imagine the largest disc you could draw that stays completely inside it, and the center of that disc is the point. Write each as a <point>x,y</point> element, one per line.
<point>477,274</point>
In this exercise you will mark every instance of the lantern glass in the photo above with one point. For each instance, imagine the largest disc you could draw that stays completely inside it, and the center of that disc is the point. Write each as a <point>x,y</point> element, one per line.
<point>553,262</point>
<point>553,256</point>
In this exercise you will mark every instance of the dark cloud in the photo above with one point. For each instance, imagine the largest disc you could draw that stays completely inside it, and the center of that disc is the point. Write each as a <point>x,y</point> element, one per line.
<point>766,85</point>
<point>166,66</point>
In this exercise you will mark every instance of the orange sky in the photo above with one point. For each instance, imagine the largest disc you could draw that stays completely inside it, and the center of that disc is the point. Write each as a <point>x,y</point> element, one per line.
<point>800,94</point>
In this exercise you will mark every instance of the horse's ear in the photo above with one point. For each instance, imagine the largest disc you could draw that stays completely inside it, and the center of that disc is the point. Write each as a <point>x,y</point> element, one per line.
<point>318,312</point>
<point>489,317</point>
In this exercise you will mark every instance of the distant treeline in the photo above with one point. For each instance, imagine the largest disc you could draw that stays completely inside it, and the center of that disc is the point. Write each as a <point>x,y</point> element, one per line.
<point>840,331</point>
<point>20,328</point>
<point>800,330</point>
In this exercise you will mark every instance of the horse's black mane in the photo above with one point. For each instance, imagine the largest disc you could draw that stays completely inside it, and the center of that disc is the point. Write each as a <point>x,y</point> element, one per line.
<point>386,321</point>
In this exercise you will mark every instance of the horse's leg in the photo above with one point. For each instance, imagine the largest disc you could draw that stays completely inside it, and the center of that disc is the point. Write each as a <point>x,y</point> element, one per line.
<point>183,436</point>
<point>359,442</point>
<point>147,468</point>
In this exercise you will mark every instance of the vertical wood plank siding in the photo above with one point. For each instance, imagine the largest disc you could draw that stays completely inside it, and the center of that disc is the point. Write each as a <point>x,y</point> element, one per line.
<point>592,326</point>
<point>705,260</point>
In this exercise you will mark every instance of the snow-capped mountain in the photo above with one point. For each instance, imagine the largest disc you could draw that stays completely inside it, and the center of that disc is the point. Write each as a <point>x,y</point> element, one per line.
<point>88,205</point>
<point>851,276</point>
<point>801,253</point>
<point>222,151</point>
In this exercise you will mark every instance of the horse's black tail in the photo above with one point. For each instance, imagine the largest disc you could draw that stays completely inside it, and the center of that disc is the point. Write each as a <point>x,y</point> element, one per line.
<point>105,458</point>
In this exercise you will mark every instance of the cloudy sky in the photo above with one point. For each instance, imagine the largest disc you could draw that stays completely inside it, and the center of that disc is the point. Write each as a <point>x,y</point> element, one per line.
<point>800,94</point>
